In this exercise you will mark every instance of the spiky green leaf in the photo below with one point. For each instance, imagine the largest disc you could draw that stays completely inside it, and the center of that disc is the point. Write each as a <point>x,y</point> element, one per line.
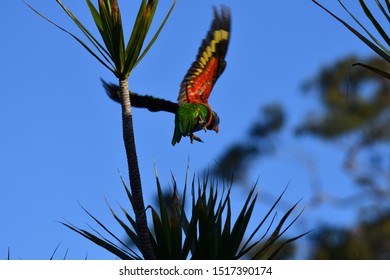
<point>386,14</point>
<point>145,51</point>
<point>373,69</point>
<point>376,24</point>
<point>105,61</point>
<point>381,51</point>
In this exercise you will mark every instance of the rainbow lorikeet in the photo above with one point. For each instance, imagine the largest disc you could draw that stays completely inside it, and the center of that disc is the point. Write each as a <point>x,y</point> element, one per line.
<point>194,112</point>
<point>192,117</point>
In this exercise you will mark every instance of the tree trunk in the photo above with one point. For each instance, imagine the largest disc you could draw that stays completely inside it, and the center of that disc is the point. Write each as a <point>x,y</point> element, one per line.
<point>134,175</point>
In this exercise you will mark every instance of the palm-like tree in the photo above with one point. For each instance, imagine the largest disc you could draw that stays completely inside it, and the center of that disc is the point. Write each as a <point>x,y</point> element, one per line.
<point>121,59</point>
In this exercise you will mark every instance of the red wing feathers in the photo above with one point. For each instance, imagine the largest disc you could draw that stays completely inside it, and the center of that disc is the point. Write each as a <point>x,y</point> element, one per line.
<point>210,61</point>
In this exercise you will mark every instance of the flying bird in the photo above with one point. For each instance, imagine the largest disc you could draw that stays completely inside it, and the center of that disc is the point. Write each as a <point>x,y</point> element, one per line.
<point>192,110</point>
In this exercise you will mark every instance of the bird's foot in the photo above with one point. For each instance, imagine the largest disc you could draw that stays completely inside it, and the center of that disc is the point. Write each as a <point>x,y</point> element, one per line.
<point>202,122</point>
<point>205,127</point>
<point>194,137</point>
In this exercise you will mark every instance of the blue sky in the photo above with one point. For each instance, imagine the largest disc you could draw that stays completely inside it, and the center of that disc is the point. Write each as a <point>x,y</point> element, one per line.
<point>61,141</point>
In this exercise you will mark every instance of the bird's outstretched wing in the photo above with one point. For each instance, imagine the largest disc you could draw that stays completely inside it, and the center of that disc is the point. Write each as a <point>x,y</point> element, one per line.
<point>151,103</point>
<point>210,61</point>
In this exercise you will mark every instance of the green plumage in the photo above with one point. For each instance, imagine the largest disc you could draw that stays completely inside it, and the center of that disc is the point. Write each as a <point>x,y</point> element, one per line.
<point>192,117</point>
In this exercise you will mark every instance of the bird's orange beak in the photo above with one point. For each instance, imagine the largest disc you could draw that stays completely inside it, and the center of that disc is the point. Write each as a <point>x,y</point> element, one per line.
<point>216,129</point>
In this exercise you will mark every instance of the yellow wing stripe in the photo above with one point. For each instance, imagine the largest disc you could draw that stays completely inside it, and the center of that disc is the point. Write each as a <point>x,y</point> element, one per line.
<point>219,36</point>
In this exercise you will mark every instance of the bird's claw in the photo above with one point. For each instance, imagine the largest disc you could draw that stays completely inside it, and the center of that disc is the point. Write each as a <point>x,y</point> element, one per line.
<point>202,122</point>
<point>194,137</point>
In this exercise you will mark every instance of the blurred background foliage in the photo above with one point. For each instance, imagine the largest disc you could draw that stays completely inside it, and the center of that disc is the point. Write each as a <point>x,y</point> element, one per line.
<point>369,240</point>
